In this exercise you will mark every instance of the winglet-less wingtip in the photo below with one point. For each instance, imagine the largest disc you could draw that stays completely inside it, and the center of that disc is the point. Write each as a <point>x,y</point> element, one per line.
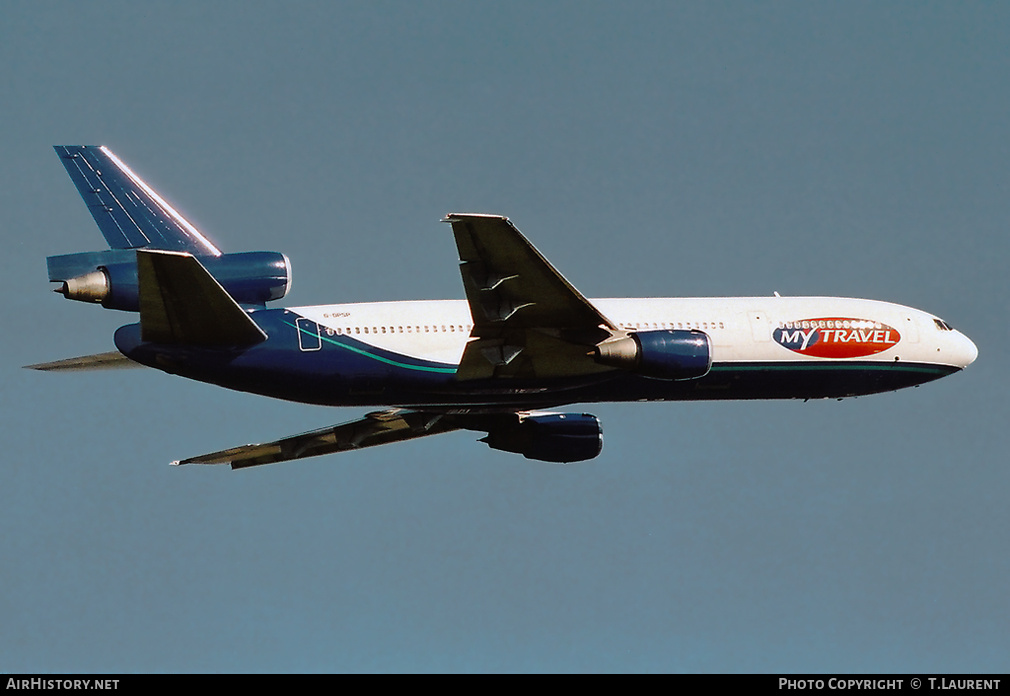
<point>102,361</point>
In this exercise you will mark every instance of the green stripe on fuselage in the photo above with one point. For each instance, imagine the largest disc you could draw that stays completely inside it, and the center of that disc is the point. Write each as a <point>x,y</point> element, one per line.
<point>373,356</point>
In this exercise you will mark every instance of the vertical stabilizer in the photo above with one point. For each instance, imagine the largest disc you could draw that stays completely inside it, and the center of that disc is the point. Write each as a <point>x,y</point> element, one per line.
<point>130,213</point>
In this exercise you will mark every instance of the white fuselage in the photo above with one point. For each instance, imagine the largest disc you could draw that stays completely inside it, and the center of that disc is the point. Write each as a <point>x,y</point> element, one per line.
<point>742,329</point>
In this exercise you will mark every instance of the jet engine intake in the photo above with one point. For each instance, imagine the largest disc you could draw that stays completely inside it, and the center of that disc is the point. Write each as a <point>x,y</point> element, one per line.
<point>664,354</point>
<point>550,437</point>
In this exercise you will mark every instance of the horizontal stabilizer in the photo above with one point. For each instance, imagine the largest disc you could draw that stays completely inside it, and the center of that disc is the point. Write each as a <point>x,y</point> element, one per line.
<point>102,361</point>
<point>377,428</point>
<point>130,213</point>
<point>181,303</point>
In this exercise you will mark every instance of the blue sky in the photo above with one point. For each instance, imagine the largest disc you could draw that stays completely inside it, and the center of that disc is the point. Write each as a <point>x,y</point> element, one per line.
<point>648,149</point>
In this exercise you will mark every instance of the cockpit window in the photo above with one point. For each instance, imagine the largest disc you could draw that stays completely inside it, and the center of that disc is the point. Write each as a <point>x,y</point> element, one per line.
<point>942,325</point>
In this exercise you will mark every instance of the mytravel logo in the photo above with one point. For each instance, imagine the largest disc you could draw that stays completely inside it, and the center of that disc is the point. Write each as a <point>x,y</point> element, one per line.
<point>836,337</point>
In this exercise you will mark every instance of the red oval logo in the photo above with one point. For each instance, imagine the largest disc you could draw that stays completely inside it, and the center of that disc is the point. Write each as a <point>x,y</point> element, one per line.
<point>836,337</point>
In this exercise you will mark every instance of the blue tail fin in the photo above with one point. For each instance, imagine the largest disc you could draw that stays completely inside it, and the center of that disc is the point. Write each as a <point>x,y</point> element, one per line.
<point>135,219</point>
<point>130,213</point>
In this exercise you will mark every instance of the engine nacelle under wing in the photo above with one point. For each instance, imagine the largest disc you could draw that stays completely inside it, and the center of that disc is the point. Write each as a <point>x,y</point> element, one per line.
<point>550,437</point>
<point>664,354</point>
<point>110,278</point>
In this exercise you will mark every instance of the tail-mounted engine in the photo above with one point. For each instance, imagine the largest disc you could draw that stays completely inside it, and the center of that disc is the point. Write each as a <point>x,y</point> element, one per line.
<point>110,277</point>
<point>665,354</point>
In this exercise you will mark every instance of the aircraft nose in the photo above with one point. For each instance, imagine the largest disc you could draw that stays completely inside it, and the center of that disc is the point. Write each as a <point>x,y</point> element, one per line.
<point>965,351</point>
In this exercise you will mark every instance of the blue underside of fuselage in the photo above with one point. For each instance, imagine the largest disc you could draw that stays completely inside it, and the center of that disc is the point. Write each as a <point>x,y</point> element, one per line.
<point>339,370</point>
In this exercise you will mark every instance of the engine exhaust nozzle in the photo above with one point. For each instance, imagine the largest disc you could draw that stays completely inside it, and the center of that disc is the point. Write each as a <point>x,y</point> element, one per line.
<point>90,287</point>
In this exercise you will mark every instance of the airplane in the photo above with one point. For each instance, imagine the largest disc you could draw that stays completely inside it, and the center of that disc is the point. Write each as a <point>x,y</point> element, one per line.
<point>523,342</point>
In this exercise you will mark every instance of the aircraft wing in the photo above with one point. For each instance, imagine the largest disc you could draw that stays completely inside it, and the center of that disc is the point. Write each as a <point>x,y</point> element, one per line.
<point>130,213</point>
<point>378,428</point>
<point>529,321</point>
